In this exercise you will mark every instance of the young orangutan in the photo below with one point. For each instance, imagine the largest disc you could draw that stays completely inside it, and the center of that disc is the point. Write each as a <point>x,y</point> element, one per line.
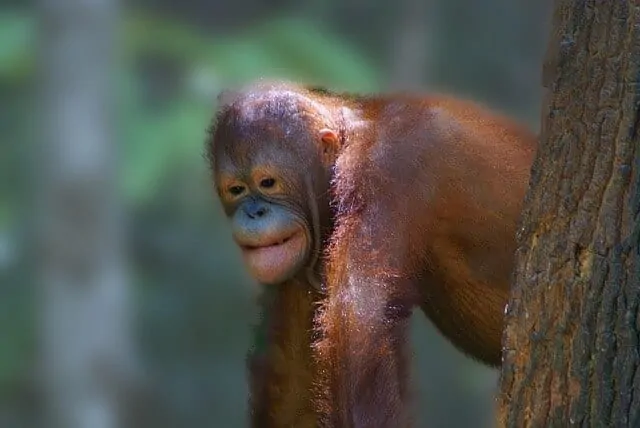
<point>383,203</point>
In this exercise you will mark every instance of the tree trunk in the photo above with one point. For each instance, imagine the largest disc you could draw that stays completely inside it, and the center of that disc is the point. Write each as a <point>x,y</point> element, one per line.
<point>411,46</point>
<point>571,351</point>
<point>85,325</point>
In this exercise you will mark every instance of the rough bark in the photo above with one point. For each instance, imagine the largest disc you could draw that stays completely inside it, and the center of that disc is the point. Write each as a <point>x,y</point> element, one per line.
<point>85,326</point>
<point>571,351</point>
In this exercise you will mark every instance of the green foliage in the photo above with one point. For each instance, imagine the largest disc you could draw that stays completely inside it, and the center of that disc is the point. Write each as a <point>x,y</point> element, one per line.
<point>16,42</point>
<point>287,48</point>
<point>152,138</point>
<point>156,142</point>
<point>284,48</point>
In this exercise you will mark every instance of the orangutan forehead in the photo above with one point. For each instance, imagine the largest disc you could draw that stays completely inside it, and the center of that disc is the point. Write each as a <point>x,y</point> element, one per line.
<point>247,136</point>
<point>279,106</point>
<point>270,157</point>
<point>267,123</point>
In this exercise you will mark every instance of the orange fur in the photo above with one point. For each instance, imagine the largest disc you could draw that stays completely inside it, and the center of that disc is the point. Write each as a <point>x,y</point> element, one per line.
<point>409,201</point>
<point>284,372</point>
<point>428,197</point>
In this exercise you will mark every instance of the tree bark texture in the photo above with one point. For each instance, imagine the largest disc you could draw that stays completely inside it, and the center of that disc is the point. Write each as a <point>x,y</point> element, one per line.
<point>571,353</point>
<point>86,337</point>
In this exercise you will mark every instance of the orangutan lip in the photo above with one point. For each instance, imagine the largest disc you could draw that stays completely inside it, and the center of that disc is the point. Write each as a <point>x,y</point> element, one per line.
<point>274,244</point>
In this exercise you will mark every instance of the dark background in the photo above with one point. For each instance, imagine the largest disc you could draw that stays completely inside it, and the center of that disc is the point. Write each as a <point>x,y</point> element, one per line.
<point>191,304</point>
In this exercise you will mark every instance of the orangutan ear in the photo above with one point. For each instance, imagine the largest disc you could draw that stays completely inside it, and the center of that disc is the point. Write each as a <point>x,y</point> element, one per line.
<point>330,143</point>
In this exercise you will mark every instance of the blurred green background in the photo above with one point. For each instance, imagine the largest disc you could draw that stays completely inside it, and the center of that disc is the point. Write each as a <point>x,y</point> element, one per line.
<point>189,305</point>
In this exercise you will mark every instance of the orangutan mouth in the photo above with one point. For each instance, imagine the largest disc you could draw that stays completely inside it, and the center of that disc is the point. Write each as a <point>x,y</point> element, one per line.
<point>270,244</point>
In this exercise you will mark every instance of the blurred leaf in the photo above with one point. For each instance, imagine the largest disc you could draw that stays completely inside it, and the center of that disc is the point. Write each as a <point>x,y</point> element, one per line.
<point>156,142</point>
<point>145,33</point>
<point>288,48</point>
<point>16,42</point>
<point>318,55</point>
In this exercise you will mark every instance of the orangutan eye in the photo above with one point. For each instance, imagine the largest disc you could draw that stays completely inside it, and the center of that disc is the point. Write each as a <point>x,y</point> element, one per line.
<point>267,183</point>
<point>236,190</point>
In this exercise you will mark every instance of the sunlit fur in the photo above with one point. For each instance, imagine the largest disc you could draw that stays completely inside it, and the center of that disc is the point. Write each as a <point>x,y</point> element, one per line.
<point>418,206</point>
<point>274,127</point>
<point>282,374</point>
